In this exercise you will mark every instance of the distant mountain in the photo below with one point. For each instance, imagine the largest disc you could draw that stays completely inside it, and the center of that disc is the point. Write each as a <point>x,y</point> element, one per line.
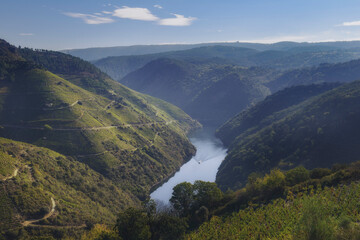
<point>340,72</point>
<point>210,93</point>
<point>107,133</point>
<point>317,132</point>
<point>95,53</point>
<point>285,59</point>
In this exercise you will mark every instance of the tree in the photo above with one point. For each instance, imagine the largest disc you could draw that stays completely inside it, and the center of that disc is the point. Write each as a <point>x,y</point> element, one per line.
<point>206,194</point>
<point>182,198</point>
<point>297,175</point>
<point>133,224</point>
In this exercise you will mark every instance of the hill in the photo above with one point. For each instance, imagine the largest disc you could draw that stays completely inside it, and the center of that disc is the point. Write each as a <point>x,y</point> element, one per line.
<point>39,184</point>
<point>95,53</point>
<point>255,117</point>
<point>210,93</point>
<point>343,72</point>
<point>317,132</point>
<point>278,58</point>
<point>131,140</point>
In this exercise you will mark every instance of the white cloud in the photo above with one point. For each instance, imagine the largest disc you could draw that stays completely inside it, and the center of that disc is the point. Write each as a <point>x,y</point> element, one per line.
<point>157,6</point>
<point>26,34</point>
<point>135,14</point>
<point>89,18</point>
<point>107,12</point>
<point>178,20</point>
<point>350,24</point>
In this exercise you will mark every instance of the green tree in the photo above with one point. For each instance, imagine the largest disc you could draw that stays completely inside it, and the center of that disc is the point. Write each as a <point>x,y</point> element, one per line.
<point>206,194</point>
<point>297,175</point>
<point>133,224</point>
<point>182,198</point>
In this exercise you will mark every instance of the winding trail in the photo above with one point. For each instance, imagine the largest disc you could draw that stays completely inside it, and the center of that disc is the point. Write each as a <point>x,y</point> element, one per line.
<point>87,128</point>
<point>14,174</point>
<point>52,211</point>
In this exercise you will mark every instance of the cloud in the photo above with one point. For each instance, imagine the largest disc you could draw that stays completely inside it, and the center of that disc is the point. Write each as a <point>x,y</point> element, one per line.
<point>178,20</point>
<point>26,34</point>
<point>157,6</point>
<point>107,12</point>
<point>142,14</point>
<point>89,18</point>
<point>350,24</point>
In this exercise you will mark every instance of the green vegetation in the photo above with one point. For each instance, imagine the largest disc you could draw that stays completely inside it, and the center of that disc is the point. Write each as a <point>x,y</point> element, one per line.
<point>326,72</point>
<point>317,132</point>
<point>325,208</point>
<point>209,92</point>
<point>112,144</point>
<point>79,192</point>
<point>296,204</point>
<point>258,116</point>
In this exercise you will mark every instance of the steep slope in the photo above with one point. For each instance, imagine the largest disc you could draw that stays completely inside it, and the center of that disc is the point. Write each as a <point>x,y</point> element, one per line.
<point>344,72</point>
<point>257,116</point>
<point>208,92</point>
<point>318,132</point>
<point>87,76</point>
<point>119,134</point>
<point>30,177</point>
<point>226,97</point>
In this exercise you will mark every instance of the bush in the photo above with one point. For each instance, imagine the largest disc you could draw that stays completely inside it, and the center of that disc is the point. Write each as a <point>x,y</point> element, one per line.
<point>297,175</point>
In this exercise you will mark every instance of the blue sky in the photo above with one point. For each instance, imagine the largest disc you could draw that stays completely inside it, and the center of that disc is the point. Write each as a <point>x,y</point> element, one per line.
<point>64,24</point>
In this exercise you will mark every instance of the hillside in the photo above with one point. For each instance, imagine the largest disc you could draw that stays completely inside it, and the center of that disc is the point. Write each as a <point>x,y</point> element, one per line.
<point>344,72</point>
<point>34,180</point>
<point>113,130</point>
<point>256,117</point>
<point>317,132</point>
<point>210,93</point>
<point>315,213</point>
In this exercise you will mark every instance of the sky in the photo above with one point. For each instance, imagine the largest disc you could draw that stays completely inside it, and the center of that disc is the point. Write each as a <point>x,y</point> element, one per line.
<point>69,24</point>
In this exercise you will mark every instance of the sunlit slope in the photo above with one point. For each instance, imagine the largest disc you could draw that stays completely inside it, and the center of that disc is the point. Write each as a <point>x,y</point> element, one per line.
<point>31,176</point>
<point>89,77</point>
<point>112,129</point>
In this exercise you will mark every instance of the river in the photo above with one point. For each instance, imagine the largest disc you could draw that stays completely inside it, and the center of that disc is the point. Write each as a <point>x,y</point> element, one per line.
<point>203,166</point>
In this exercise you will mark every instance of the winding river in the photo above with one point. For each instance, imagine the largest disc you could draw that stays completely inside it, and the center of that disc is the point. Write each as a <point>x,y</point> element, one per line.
<point>203,166</point>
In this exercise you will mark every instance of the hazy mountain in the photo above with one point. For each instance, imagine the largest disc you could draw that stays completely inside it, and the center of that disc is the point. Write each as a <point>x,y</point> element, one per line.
<point>340,72</point>
<point>210,93</point>
<point>284,59</point>
<point>103,52</point>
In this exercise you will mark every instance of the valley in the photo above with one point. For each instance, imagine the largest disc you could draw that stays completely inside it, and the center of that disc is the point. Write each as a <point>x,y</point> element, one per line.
<point>183,142</point>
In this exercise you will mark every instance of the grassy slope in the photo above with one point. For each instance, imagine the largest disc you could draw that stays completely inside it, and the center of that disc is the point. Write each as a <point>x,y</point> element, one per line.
<point>315,133</point>
<point>284,219</point>
<point>37,98</point>
<point>79,192</point>
<point>104,128</point>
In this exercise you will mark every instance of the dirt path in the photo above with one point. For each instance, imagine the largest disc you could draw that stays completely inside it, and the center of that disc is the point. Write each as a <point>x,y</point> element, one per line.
<point>111,103</point>
<point>14,174</point>
<point>87,128</point>
<point>30,222</point>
